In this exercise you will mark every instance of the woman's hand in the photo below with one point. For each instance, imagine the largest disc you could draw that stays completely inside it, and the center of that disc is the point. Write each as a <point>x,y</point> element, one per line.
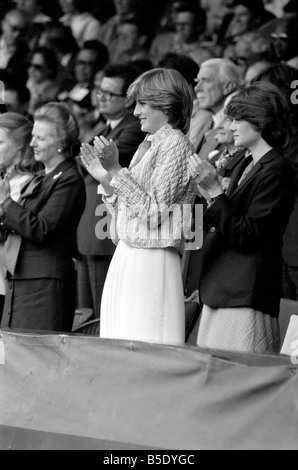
<point>205,176</point>
<point>91,160</point>
<point>109,154</point>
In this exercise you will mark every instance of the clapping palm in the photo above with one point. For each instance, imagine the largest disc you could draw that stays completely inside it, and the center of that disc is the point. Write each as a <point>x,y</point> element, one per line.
<point>91,160</point>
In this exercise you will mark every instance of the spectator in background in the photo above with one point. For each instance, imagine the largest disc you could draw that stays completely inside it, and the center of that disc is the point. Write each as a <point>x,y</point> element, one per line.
<point>282,76</point>
<point>124,128</point>
<point>43,78</point>
<point>132,41</point>
<point>250,48</point>
<point>91,59</point>
<point>255,70</point>
<point>41,292</point>
<point>125,9</point>
<point>59,38</point>
<point>217,79</point>
<point>14,53</point>
<point>17,166</point>
<point>33,9</point>
<point>78,17</point>
<point>284,41</point>
<point>189,24</point>
<point>17,98</point>
<point>246,16</point>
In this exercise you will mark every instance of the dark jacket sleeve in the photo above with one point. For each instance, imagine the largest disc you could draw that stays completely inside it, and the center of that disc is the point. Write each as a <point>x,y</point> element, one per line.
<point>62,209</point>
<point>268,213</point>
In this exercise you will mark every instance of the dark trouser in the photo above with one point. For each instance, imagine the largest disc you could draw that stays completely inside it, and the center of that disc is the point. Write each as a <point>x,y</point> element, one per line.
<point>92,273</point>
<point>39,304</point>
<point>290,282</point>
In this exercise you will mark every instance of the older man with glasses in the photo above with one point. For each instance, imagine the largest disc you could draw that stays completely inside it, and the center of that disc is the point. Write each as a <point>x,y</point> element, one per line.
<point>13,49</point>
<point>117,123</point>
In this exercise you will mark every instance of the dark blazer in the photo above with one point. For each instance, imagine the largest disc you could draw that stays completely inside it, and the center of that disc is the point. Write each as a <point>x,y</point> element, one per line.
<point>242,255</point>
<point>18,64</point>
<point>47,222</point>
<point>128,136</point>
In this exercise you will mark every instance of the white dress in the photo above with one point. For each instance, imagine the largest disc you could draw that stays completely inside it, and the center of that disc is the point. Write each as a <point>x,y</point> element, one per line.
<point>143,296</point>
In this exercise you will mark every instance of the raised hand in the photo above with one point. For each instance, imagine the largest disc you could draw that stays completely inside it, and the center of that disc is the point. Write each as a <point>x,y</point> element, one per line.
<point>205,176</point>
<point>109,154</point>
<point>91,160</point>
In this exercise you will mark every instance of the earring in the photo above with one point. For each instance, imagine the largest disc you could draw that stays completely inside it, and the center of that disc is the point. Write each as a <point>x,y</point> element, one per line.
<point>60,151</point>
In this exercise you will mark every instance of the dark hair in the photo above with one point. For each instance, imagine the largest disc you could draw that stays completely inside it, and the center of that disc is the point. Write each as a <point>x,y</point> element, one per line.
<point>188,68</point>
<point>200,17</point>
<point>51,60</point>
<point>64,40</point>
<point>127,72</point>
<point>103,56</point>
<point>66,124</point>
<point>168,91</point>
<point>266,109</point>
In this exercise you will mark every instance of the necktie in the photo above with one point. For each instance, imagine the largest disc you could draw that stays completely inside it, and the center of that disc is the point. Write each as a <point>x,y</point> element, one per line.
<point>10,250</point>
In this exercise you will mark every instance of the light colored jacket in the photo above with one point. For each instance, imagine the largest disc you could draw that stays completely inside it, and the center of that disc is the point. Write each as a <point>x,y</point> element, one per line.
<point>146,193</point>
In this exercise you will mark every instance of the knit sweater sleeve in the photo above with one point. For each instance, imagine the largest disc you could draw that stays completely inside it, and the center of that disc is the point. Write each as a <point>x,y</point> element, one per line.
<point>167,183</point>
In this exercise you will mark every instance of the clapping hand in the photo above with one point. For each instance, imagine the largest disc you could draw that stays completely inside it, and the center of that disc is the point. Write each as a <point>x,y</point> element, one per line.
<point>205,176</point>
<point>108,153</point>
<point>91,160</point>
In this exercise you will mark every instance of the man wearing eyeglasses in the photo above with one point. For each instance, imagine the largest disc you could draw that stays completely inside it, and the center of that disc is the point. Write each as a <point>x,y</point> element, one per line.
<point>124,128</point>
<point>13,50</point>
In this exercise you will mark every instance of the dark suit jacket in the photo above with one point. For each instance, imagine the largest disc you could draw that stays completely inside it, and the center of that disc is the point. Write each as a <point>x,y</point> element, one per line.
<point>242,255</point>
<point>128,136</point>
<point>291,236</point>
<point>47,222</point>
<point>17,66</point>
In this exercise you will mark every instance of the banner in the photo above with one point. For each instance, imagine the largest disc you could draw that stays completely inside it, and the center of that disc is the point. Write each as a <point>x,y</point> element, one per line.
<point>78,392</point>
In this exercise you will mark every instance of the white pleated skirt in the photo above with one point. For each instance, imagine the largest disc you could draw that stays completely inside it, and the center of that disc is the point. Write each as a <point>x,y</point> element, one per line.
<point>143,297</point>
<point>239,330</point>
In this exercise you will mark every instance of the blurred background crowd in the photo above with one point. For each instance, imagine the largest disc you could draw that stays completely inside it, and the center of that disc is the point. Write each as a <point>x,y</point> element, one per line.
<point>87,53</point>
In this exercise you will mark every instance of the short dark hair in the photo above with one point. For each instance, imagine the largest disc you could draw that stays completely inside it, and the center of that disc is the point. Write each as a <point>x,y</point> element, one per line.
<point>127,72</point>
<point>266,109</point>
<point>103,56</point>
<point>188,68</point>
<point>200,17</point>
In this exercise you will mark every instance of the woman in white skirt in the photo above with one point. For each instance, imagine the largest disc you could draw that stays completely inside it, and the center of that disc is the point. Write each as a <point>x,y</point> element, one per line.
<point>241,279</point>
<point>143,298</point>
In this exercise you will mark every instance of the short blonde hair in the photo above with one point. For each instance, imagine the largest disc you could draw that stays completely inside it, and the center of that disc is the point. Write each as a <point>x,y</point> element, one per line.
<point>168,91</point>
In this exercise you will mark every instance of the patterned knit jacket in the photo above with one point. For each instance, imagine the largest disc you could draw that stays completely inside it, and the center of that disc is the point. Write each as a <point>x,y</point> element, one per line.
<point>153,198</point>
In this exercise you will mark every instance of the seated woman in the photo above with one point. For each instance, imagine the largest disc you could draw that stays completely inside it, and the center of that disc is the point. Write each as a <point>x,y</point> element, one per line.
<point>40,230</point>
<point>143,298</point>
<point>43,81</point>
<point>17,165</point>
<point>241,279</point>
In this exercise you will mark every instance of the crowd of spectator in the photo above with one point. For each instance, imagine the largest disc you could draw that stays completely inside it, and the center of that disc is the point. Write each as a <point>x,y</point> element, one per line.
<point>87,54</point>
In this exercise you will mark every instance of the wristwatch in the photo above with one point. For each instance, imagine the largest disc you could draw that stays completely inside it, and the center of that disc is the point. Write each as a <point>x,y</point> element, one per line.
<point>214,199</point>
